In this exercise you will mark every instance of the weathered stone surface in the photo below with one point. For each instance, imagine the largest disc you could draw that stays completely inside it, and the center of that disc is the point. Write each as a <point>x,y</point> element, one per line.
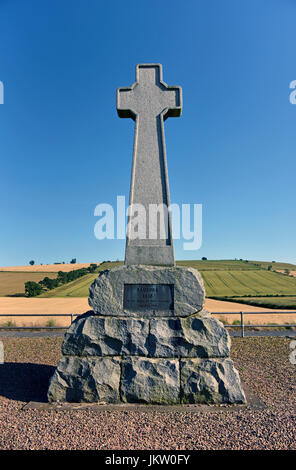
<point>78,379</point>
<point>1,353</point>
<point>210,381</point>
<point>149,101</point>
<point>93,335</point>
<point>146,380</point>
<point>194,336</point>
<point>106,292</point>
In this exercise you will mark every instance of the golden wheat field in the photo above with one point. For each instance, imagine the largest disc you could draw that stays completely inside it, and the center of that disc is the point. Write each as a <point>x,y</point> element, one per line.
<point>46,268</point>
<point>13,283</point>
<point>57,306</point>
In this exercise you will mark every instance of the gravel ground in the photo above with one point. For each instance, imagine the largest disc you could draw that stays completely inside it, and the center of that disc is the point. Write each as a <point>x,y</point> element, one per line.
<point>263,364</point>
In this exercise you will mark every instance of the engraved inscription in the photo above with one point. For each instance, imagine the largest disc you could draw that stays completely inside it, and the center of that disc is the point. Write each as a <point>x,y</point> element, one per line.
<point>148,297</point>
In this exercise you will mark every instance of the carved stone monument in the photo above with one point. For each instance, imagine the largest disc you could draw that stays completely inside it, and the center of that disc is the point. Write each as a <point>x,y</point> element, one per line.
<point>149,102</point>
<point>148,338</point>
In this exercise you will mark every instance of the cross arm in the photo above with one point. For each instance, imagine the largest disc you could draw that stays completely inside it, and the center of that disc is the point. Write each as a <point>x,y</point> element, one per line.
<point>176,109</point>
<point>123,103</point>
<point>149,95</point>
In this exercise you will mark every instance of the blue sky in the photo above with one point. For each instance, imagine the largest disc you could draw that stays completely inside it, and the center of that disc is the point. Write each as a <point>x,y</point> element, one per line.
<point>64,150</point>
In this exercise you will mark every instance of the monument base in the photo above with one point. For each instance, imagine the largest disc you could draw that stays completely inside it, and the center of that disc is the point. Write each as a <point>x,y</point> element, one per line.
<point>146,360</point>
<point>164,381</point>
<point>147,340</point>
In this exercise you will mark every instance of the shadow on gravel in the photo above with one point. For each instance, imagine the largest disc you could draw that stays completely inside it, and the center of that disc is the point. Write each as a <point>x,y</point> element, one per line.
<point>25,381</point>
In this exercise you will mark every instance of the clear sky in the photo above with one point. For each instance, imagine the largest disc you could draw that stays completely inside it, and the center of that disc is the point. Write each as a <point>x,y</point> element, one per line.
<point>64,150</point>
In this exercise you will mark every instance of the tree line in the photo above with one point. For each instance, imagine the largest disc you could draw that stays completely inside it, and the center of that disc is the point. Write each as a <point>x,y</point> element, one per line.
<point>36,288</point>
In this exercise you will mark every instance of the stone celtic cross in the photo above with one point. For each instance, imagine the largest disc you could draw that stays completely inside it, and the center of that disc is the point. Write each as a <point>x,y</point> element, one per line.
<point>149,101</point>
<point>166,348</point>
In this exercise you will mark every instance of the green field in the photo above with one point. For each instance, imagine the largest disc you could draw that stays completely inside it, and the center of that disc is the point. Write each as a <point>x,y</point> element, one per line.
<point>223,279</point>
<point>226,265</point>
<point>213,265</point>
<point>13,283</point>
<point>247,283</point>
<point>78,288</point>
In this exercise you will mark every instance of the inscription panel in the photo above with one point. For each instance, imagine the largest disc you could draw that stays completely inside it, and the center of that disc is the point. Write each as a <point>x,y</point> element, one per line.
<point>148,297</point>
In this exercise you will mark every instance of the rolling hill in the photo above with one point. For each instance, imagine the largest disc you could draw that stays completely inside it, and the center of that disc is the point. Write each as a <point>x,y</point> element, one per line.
<point>222,279</point>
<point>236,280</point>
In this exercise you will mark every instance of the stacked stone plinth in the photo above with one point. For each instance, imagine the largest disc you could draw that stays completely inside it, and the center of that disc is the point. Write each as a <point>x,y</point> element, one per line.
<point>116,355</point>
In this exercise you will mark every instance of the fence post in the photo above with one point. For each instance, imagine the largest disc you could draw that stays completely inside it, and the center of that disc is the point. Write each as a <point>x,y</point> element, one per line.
<point>71,318</point>
<point>242,325</point>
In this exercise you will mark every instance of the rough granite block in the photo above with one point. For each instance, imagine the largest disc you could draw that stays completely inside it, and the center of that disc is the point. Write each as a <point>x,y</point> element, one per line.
<point>146,380</point>
<point>210,381</point>
<point>193,336</point>
<point>92,335</point>
<point>85,379</point>
<point>106,295</point>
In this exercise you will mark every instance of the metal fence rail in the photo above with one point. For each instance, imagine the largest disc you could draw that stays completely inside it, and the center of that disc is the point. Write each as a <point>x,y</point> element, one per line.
<point>242,325</point>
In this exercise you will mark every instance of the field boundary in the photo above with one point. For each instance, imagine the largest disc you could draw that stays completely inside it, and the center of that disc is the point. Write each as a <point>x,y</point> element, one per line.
<point>241,325</point>
<point>254,300</point>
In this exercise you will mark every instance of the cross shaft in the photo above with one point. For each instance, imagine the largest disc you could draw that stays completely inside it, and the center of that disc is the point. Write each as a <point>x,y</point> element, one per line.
<point>149,101</point>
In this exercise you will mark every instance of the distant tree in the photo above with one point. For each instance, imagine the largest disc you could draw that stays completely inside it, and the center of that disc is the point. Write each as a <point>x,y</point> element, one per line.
<point>204,258</point>
<point>32,262</point>
<point>73,261</point>
<point>62,277</point>
<point>49,283</point>
<point>273,261</point>
<point>92,268</point>
<point>32,288</point>
<point>287,271</point>
<point>269,267</point>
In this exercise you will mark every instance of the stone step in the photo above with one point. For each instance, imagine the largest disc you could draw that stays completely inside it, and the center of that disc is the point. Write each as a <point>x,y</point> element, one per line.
<point>145,380</point>
<point>199,335</point>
